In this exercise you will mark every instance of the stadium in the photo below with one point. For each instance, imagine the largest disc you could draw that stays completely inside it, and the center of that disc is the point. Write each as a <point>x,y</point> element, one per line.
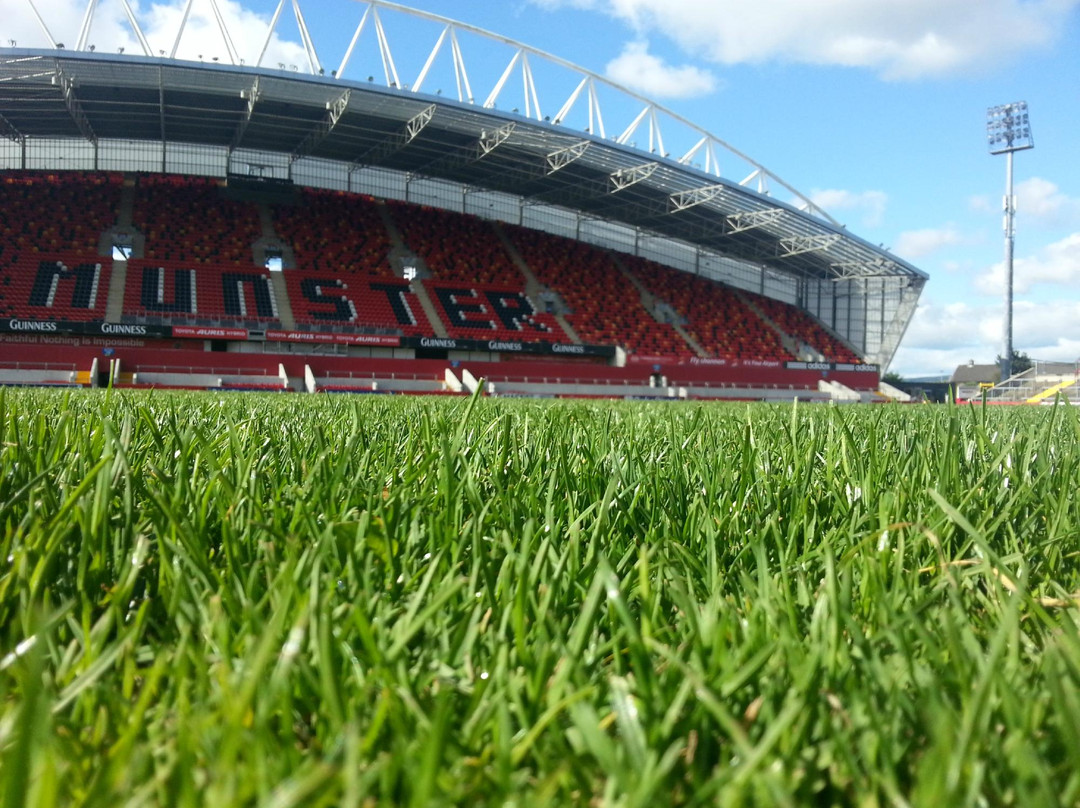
<point>537,231</point>
<point>464,593</point>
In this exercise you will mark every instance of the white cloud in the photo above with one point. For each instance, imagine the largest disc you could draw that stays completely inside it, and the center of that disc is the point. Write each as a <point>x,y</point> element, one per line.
<point>1043,201</point>
<point>913,244</point>
<point>898,39</point>
<point>1057,263</point>
<point>159,23</point>
<point>640,70</point>
<point>941,337</point>
<point>869,204</point>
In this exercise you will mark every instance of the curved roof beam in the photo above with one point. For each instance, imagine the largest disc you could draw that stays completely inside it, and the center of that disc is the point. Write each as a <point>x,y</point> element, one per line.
<point>334,111</point>
<point>797,245</point>
<point>589,81</point>
<point>477,150</point>
<point>683,200</point>
<point>41,22</point>
<point>8,130</point>
<point>396,142</point>
<point>751,219</point>
<point>561,158</point>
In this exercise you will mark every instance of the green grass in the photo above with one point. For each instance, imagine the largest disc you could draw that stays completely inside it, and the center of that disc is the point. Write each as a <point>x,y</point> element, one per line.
<point>241,600</point>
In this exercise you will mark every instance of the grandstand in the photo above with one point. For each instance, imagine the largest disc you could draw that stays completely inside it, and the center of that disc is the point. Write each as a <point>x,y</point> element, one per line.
<point>225,226</point>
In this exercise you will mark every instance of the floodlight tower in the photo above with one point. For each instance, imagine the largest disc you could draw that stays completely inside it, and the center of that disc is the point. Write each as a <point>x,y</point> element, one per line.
<point>1008,131</point>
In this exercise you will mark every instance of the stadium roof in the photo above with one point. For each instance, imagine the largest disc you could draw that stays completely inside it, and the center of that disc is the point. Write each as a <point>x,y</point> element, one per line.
<point>58,93</point>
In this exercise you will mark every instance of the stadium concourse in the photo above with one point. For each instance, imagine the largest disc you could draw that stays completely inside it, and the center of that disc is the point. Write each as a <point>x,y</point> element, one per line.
<point>174,281</point>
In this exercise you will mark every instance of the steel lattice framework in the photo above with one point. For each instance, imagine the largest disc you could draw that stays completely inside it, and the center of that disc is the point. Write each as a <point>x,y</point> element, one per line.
<point>667,199</point>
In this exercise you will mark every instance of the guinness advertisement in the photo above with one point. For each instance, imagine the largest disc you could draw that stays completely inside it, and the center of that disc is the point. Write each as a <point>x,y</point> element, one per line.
<point>18,325</point>
<point>508,346</point>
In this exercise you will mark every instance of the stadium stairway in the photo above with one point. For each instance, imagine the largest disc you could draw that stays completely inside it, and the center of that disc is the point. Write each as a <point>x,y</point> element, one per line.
<point>396,238</point>
<point>284,304</point>
<point>269,239</point>
<point>533,287</point>
<point>126,209</point>
<point>649,301</point>
<point>790,344</point>
<point>266,221</point>
<point>417,288</point>
<point>114,305</point>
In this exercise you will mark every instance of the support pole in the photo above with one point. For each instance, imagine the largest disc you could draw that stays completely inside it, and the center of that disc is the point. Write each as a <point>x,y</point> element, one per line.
<point>1010,211</point>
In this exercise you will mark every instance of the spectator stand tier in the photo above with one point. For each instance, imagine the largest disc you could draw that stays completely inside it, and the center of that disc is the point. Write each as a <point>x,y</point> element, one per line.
<point>487,311</point>
<point>180,292</point>
<point>605,308</point>
<point>339,301</point>
<point>334,232</point>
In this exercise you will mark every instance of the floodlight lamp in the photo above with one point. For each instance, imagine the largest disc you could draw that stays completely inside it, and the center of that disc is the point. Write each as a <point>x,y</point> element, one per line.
<point>1008,128</point>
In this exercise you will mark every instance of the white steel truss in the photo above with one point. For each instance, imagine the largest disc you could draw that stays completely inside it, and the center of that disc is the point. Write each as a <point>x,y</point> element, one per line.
<point>751,219</point>
<point>797,245</point>
<point>478,150</point>
<point>334,110</point>
<point>625,177</point>
<point>8,130</point>
<point>561,158</point>
<point>652,124</point>
<point>251,97</point>
<point>396,142</point>
<point>74,108</point>
<point>684,200</point>
<point>880,268</point>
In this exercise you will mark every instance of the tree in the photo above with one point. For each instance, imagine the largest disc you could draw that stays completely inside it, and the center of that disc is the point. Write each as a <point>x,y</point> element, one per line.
<point>893,378</point>
<point>1020,361</point>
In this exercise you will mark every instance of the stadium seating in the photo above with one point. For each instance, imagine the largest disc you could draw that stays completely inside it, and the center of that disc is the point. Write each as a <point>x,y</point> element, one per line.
<point>189,292</point>
<point>198,270</point>
<point>488,311</point>
<point>188,219</point>
<point>50,230</point>
<point>330,231</point>
<point>606,309</point>
<point>455,246</point>
<point>719,321</point>
<point>338,299</point>
<point>803,326</point>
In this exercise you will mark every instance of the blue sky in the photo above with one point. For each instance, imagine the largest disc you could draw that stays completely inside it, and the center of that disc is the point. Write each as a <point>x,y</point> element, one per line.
<point>876,109</point>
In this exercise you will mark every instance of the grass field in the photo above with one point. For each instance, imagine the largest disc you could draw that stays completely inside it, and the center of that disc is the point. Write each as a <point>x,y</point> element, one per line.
<point>241,600</point>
